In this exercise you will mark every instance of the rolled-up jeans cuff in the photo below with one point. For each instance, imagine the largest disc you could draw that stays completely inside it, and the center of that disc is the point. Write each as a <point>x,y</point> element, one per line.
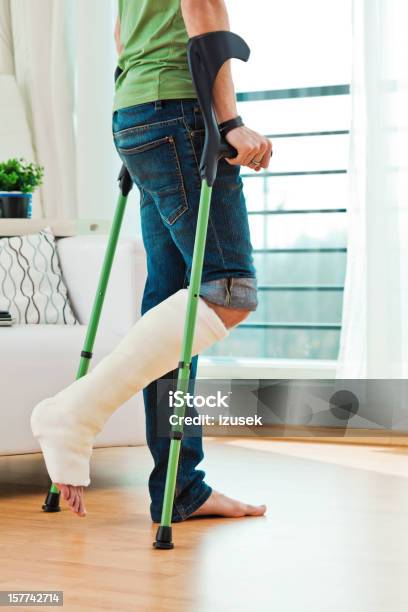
<point>231,292</point>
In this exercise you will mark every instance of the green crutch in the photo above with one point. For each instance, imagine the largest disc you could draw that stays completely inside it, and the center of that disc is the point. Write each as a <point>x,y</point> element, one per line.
<point>51,503</point>
<point>206,54</point>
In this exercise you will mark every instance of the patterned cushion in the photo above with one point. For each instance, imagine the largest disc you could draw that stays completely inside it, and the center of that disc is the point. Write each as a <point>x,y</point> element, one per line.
<point>31,284</point>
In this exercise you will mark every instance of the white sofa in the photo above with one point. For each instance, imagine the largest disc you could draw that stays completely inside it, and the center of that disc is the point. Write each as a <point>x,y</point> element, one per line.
<point>39,360</point>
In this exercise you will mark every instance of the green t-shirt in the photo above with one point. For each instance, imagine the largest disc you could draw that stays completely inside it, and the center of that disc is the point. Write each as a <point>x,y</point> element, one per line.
<point>154,57</point>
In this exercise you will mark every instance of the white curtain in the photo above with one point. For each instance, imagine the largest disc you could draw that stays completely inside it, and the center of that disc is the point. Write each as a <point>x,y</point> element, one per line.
<point>64,59</point>
<point>97,160</point>
<point>44,71</point>
<point>374,342</point>
<point>6,39</point>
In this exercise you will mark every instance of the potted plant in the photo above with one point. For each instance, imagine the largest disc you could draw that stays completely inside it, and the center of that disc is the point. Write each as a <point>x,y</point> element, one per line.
<point>18,180</point>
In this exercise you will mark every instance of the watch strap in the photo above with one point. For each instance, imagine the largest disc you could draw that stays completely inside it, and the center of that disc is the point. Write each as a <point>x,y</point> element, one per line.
<point>230,124</point>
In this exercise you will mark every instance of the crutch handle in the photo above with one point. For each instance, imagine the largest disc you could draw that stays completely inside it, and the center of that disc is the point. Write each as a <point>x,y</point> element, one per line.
<point>220,147</point>
<point>124,178</point>
<point>226,150</point>
<point>118,72</point>
<point>125,181</point>
<point>206,54</point>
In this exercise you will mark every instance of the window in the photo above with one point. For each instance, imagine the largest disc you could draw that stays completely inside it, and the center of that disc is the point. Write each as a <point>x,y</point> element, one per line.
<point>296,90</point>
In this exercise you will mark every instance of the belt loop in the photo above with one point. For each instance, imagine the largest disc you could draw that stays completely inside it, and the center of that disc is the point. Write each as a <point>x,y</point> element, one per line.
<point>182,108</point>
<point>158,105</point>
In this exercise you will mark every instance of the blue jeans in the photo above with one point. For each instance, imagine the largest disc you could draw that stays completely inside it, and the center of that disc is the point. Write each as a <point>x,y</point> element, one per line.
<point>160,143</point>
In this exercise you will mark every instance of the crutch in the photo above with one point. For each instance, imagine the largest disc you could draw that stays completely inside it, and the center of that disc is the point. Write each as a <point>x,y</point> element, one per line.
<point>51,503</point>
<point>206,54</point>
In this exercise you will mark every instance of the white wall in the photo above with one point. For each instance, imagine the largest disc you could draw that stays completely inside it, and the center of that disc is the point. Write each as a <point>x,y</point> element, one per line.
<point>98,164</point>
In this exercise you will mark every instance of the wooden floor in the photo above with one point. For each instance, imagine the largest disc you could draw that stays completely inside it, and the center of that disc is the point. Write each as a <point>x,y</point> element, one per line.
<point>335,538</point>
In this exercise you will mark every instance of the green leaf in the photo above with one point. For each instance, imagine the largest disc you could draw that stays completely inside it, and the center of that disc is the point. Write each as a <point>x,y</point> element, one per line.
<point>19,175</point>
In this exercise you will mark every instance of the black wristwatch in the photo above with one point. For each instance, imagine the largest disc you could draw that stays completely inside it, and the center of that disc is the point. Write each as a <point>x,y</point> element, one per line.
<point>230,124</point>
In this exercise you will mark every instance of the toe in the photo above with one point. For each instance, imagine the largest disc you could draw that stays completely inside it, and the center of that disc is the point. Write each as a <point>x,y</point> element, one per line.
<point>71,495</point>
<point>72,498</point>
<point>75,505</point>
<point>255,510</point>
<point>81,508</point>
<point>64,490</point>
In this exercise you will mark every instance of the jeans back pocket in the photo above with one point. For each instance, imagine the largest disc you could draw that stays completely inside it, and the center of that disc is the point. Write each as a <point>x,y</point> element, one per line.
<point>155,167</point>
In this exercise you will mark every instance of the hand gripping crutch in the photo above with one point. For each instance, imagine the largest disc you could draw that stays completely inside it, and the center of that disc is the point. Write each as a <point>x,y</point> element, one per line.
<point>206,54</point>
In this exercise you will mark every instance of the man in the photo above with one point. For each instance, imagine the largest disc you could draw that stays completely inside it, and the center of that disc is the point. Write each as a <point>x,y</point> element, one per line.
<point>158,130</point>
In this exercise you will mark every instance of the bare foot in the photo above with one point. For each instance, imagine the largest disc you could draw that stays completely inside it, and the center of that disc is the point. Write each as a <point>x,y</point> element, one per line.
<point>74,496</point>
<point>221,505</point>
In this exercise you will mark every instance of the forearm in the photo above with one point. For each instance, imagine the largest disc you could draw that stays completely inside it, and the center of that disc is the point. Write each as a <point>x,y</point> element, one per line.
<point>201,16</point>
<point>118,42</point>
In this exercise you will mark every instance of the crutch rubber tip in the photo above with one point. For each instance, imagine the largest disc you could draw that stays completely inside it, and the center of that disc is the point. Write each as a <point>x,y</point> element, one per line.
<point>163,538</point>
<point>51,503</point>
